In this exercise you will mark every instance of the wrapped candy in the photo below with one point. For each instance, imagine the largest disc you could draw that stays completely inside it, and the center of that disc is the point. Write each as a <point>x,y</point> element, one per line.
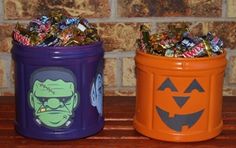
<point>179,42</point>
<point>56,30</point>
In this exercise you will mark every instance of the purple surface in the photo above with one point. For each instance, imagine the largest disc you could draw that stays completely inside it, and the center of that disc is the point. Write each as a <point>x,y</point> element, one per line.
<point>84,62</point>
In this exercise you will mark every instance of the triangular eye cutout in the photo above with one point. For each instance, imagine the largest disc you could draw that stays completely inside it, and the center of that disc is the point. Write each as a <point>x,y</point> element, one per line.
<point>167,84</point>
<point>194,85</point>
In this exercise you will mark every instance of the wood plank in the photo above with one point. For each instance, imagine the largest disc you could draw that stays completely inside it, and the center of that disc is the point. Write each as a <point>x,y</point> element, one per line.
<point>111,129</point>
<point>121,138</point>
<point>116,123</point>
<point>123,143</point>
<point>118,130</point>
<point>127,143</point>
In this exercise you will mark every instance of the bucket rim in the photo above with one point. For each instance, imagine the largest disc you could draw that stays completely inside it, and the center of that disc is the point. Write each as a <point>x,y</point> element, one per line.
<point>57,47</point>
<point>182,59</point>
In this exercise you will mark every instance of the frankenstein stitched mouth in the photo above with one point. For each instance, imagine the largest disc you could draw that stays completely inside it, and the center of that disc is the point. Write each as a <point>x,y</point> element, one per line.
<point>179,120</point>
<point>44,110</point>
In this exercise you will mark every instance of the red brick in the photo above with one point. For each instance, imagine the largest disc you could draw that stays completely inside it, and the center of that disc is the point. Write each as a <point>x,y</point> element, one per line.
<point>150,8</point>
<point>195,29</point>
<point>21,9</point>
<point>120,36</point>
<point>5,37</point>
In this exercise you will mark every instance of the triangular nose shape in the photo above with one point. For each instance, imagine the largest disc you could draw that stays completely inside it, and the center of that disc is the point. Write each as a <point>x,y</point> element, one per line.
<point>180,100</point>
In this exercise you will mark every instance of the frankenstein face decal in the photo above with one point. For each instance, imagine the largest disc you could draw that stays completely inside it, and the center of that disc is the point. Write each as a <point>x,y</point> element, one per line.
<point>53,96</point>
<point>97,93</point>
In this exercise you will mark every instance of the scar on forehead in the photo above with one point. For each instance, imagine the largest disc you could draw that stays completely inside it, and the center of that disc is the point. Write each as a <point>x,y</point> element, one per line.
<point>47,88</point>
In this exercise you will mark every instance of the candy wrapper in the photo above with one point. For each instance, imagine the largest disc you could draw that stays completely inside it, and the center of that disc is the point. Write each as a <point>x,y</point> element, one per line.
<point>179,42</point>
<point>56,30</point>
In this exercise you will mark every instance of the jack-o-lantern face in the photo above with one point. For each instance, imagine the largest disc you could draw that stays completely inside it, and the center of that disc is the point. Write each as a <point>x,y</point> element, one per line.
<point>177,121</point>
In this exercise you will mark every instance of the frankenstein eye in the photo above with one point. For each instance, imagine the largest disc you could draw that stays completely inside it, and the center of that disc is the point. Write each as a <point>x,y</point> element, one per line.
<point>66,99</point>
<point>42,99</point>
<point>194,85</point>
<point>167,84</point>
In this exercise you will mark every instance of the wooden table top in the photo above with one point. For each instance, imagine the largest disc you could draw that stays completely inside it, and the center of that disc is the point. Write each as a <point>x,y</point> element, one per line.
<point>118,130</point>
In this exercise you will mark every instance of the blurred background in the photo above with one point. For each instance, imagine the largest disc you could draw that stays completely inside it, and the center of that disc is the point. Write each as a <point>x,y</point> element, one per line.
<point>118,23</point>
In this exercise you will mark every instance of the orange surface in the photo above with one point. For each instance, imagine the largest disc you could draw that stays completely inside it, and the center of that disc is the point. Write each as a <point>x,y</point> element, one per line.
<point>179,99</point>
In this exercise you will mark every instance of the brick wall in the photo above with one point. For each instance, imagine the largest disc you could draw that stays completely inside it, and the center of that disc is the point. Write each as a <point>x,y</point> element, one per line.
<point>118,24</point>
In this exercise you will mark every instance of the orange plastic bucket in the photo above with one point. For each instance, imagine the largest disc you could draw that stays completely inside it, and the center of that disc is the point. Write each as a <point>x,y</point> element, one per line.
<point>179,99</point>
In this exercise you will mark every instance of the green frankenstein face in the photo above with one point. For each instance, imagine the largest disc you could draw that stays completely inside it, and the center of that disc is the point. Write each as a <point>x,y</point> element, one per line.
<point>53,101</point>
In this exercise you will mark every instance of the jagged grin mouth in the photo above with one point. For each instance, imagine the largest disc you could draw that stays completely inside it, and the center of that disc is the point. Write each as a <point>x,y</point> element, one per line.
<point>179,120</point>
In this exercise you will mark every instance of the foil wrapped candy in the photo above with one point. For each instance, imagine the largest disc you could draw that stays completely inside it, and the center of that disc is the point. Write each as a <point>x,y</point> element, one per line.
<point>179,42</point>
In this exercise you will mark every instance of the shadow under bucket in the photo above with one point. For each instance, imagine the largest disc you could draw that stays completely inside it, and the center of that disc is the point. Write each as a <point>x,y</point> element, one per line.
<point>179,99</point>
<point>58,91</point>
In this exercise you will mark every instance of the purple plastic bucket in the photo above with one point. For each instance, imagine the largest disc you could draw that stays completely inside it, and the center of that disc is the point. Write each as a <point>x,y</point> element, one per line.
<point>58,91</point>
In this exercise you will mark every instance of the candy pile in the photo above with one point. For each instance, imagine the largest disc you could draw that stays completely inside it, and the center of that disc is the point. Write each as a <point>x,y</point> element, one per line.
<point>56,30</point>
<point>178,42</point>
